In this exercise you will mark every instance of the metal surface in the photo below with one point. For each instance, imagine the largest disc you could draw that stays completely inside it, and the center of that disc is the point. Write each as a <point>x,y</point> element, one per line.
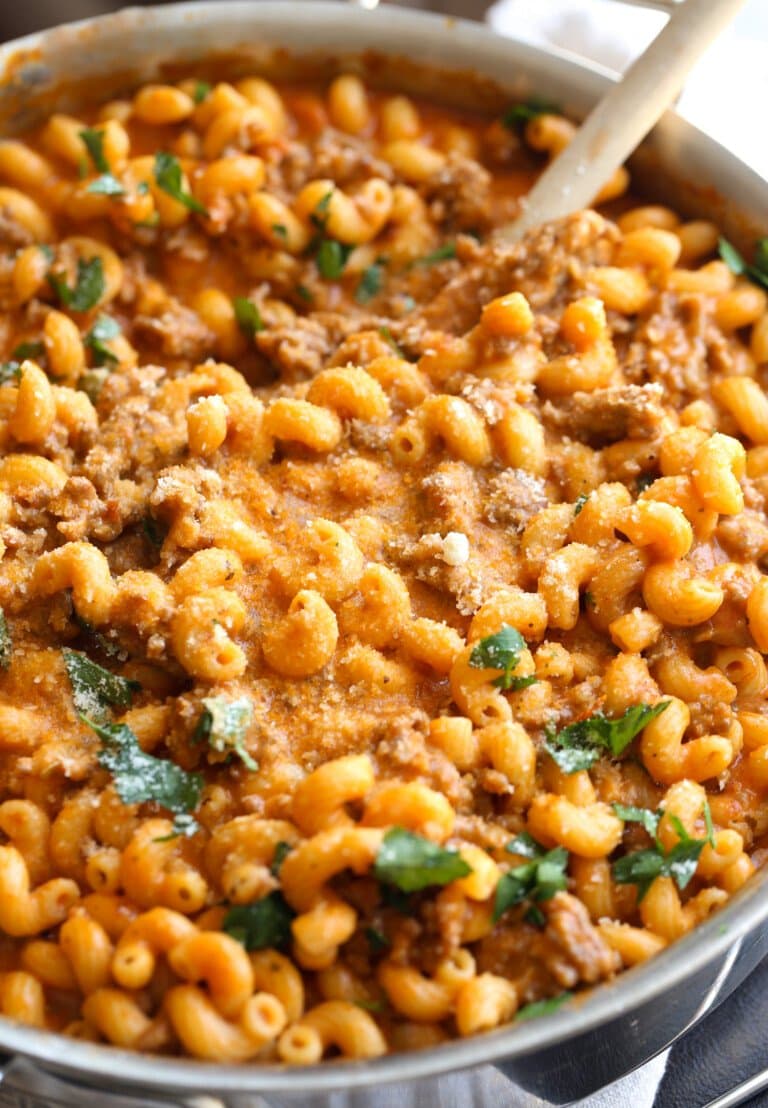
<point>597,1037</point>
<point>742,1093</point>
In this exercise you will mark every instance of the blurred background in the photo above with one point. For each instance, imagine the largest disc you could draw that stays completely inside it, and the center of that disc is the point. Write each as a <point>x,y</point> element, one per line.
<point>717,98</point>
<point>31,15</point>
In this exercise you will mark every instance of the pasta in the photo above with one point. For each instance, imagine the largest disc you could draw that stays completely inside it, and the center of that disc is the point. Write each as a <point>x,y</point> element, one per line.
<point>384,609</point>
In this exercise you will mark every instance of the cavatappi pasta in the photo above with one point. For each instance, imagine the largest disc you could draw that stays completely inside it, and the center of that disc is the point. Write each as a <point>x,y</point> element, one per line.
<point>384,608</point>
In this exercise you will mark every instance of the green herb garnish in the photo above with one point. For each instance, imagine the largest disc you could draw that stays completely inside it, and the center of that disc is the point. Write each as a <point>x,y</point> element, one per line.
<point>89,285</point>
<point>501,651</point>
<point>248,316</point>
<point>386,334</point>
<point>581,500</point>
<point>370,1005</point>
<point>101,642</point>
<point>370,283</point>
<point>630,814</point>
<point>757,272</point>
<point>94,144</point>
<point>94,689</point>
<point>265,923</point>
<point>579,745</point>
<point>304,293</point>
<point>442,254</point>
<point>168,177</point>
<point>10,372</point>
<point>536,880</point>
<point>396,900</point>
<point>643,866</point>
<point>104,330</point>
<point>202,88</point>
<point>331,258</point>
<point>377,940</point>
<point>280,229</point>
<point>223,725</point>
<point>411,863</point>
<point>6,644</point>
<point>154,532</point>
<point>320,215</point>
<point>516,117</point>
<point>541,1007</point>
<point>139,776</point>
<point>27,350</point>
<point>282,850</point>
<point>106,185</point>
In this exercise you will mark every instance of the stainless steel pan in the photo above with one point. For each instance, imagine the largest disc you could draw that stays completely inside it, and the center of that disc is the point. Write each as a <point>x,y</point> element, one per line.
<point>618,1025</point>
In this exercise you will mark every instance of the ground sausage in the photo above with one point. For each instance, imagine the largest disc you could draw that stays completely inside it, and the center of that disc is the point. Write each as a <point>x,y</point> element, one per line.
<point>608,415</point>
<point>569,926</point>
<point>543,266</point>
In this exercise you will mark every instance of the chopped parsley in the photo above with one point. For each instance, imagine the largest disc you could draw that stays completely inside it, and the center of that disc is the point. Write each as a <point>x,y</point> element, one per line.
<point>95,691</point>
<point>282,850</point>
<point>154,532</point>
<point>10,372</point>
<point>396,900</point>
<point>27,350</point>
<point>304,293</point>
<point>265,923</point>
<point>94,144</point>
<point>370,283</point>
<point>248,316</point>
<point>369,1005</point>
<point>169,178</point>
<point>377,940</point>
<point>757,272</point>
<point>541,1007</point>
<point>280,229</point>
<point>386,334</point>
<point>223,725</point>
<point>101,642</point>
<point>502,651</point>
<point>630,814</point>
<point>516,117</point>
<point>535,880</point>
<point>643,866</point>
<point>104,330</point>
<point>442,254</point>
<point>106,185</point>
<point>139,776</point>
<point>331,258</point>
<point>202,88</point>
<point>411,863</point>
<point>579,745</point>
<point>89,285</point>
<point>581,500</point>
<point>320,215</point>
<point>6,644</point>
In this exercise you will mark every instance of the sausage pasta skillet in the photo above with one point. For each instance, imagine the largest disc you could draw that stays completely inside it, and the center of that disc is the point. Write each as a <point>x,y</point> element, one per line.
<point>383,607</point>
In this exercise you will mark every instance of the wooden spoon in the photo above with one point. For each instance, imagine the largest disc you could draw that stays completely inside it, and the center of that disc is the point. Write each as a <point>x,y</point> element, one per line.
<point>624,116</point>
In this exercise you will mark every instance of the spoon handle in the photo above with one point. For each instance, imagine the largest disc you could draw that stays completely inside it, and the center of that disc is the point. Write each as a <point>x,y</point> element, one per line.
<point>625,115</point>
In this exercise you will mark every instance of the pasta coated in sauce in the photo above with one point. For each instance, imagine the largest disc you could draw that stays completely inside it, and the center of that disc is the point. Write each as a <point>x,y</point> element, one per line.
<point>384,608</point>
